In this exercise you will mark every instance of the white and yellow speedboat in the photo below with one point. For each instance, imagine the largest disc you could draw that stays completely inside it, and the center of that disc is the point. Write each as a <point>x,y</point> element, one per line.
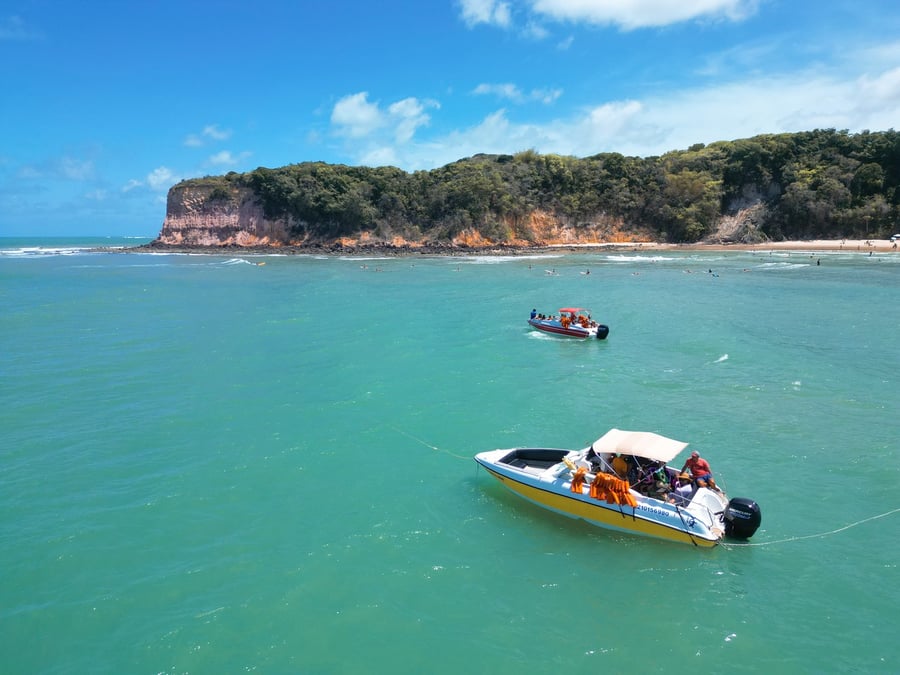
<point>582,484</point>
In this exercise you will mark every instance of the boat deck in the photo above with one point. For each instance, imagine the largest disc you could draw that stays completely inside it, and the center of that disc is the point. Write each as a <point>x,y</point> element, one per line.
<point>532,466</point>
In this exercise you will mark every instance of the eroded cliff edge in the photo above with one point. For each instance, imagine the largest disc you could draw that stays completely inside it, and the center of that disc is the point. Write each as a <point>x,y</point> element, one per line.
<point>208,216</point>
<point>811,185</point>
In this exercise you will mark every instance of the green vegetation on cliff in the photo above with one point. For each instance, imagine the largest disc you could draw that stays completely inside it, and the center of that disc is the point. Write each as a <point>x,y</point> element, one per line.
<point>817,184</point>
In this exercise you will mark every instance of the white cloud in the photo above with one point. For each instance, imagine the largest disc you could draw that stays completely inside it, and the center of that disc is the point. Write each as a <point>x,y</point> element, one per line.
<point>226,158</point>
<point>626,14</point>
<point>535,31</point>
<point>494,134</point>
<point>13,28</point>
<point>60,168</point>
<point>407,116</point>
<point>131,185</point>
<point>161,178</point>
<point>379,156</point>
<point>211,132</point>
<point>658,124</point>
<point>881,90</point>
<point>29,172</point>
<point>223,158</point>
<point>75,169</point>
<point>491,12</point>
<point>510,91</point>
<point>632,14</point>
<point>546,95</point>
<point>513,93</point>
<point>355,116</point>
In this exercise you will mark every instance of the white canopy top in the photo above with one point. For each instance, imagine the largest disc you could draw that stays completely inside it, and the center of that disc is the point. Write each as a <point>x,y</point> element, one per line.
<point>640,443</point>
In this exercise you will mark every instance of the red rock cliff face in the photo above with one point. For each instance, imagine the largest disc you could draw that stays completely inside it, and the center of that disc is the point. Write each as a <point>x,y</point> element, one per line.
<point>212,216</point>
<point>204,216</point>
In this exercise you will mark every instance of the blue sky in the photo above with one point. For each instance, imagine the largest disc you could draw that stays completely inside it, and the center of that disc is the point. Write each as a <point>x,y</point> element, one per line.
<point>104,105</point>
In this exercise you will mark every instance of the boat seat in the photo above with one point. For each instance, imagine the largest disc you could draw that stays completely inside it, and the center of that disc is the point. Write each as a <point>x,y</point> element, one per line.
<point>584,464</point>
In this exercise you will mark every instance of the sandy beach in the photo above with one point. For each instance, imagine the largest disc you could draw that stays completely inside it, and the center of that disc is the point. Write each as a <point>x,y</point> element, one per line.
<point>848,245</point>
<point>860,245</point>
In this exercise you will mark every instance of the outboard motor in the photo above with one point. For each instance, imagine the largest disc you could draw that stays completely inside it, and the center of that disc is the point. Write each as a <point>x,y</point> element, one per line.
<point>602,331</point>
<point>742,518</point>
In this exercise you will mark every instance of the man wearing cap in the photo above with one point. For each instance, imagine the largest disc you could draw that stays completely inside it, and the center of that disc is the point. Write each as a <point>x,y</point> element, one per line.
<point>700,470</point>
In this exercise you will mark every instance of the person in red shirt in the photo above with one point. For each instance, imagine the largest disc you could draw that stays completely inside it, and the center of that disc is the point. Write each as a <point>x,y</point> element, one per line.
<point>700,470</point>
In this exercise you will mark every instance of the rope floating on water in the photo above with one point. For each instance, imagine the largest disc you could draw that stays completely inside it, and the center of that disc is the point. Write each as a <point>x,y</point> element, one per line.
<point>428,445</point>
<point>813,536</point>
<point>728,544</point>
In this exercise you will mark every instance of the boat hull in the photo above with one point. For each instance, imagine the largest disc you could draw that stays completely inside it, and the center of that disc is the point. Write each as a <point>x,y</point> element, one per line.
<point>575,331</point>
<point>551,489</point>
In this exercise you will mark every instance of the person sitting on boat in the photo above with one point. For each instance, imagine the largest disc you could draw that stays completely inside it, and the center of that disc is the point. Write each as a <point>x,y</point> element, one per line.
<point>620,466</point>
<point>700,471</point>
<point>660,487</point>
<point>641,477</point>
<point>683,488</point>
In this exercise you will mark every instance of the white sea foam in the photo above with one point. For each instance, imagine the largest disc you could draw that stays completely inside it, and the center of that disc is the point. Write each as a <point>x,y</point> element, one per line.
<point>637,258</point>
<point>782,266</point>
<point>497,259</point>
<point>38,251</point>
<point>360,258</point>
<point>724,357</point>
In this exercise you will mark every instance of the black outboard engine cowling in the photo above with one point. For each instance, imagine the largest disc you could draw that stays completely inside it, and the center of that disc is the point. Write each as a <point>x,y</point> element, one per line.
<point>742,518</point>
<point>602,331</point>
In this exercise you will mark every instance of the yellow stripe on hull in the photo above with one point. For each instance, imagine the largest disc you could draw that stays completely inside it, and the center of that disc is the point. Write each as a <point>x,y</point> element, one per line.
<point>600,515</point>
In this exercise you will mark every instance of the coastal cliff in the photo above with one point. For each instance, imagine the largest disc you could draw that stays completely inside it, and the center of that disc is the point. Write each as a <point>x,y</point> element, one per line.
<point>206,215</point>
<point>822,184</point>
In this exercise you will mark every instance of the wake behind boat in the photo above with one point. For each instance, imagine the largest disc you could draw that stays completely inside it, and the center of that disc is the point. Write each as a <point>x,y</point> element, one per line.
<point>647,498</point>
<point>571,322</point>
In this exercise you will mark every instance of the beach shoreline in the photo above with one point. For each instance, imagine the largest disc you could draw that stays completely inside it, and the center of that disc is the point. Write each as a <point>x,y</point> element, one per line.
<point>845,245</point>
<point>863,246</point>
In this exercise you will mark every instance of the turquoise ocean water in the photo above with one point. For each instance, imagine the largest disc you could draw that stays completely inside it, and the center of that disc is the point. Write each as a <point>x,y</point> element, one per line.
<point>209,465</point>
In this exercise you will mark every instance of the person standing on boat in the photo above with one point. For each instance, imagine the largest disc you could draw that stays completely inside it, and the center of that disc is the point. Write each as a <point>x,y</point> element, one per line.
<point>700,470</point>
<point>533,313</point>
